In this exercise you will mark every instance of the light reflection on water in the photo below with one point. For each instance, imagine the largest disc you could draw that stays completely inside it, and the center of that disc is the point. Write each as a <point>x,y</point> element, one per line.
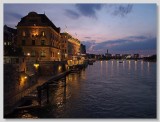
<point>107,89</point>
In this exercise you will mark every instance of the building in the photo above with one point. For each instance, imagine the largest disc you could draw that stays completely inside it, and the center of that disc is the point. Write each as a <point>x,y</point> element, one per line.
<point>117,56</point>
<point>10,36</point>
<point>70,46</point>
<point>136,56</point>
<point>126,56</point>
<point>73,47</point>
<point>39,37</point>
<point>83,49</point>
<point>108,55</point>
<point>64,45</point>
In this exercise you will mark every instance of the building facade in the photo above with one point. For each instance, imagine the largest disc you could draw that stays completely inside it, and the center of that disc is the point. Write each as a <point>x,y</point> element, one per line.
<point>70,46</point>
<point>39,38</point>
<point>10,37</point>
<point>64,45</point>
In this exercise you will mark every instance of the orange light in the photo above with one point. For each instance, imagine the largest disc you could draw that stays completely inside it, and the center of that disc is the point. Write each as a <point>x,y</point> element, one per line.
<point>28,54</point>
<point>36,65</point>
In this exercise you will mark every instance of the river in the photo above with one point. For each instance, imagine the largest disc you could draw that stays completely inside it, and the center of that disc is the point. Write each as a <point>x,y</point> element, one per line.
<point>106,89</point>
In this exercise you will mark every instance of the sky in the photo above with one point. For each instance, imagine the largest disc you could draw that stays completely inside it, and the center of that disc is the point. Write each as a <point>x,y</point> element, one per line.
<point>120,28</point>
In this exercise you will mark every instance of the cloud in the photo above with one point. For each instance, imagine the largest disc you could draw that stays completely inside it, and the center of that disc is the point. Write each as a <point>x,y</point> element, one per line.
<point>89,10</point>
<point>15,15</point>
<point>72,14</point>
<point>137,37</point>
<point>122,10</point>
<point>125,44</point>
<point>89,43</point>
<point>87,37</point>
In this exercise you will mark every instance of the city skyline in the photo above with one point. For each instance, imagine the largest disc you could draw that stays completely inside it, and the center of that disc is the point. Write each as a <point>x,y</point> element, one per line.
<point>121,28</point>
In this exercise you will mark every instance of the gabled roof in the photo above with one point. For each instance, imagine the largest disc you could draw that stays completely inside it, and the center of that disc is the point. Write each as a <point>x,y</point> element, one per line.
<point>33,19</point>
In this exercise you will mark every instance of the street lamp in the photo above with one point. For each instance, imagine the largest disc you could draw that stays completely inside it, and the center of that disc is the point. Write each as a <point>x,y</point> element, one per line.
<point>28,54</point>
<point>36,65</point>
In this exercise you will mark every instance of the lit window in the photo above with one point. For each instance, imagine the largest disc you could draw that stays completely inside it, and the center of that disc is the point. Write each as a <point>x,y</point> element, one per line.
<point>43,34</point>
<point>4,43</point>
<point>23,33</point>
<point>43,54</point>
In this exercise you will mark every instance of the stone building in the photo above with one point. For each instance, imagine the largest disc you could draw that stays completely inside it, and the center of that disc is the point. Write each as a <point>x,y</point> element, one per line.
<point>39,38</point>
<point>64,45</point>
<point>10,36</point>
<point>73,47</point>
<point>83,49</point>
<point>70,46</point>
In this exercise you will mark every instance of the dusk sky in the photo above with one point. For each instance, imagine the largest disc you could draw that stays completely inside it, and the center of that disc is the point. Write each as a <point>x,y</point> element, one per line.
<point>120,28</point>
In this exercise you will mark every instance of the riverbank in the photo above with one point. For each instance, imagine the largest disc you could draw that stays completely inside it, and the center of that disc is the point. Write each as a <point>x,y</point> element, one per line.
<point>41,81</point>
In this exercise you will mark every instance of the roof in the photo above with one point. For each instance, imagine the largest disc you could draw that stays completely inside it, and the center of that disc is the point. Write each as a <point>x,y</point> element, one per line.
<point>9,29</point>
<point>33,19</point>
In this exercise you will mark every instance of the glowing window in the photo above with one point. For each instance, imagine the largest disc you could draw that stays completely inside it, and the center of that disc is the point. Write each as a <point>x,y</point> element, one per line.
<point>23,33</point>
<point>43,54</point>
<point>43,34</point>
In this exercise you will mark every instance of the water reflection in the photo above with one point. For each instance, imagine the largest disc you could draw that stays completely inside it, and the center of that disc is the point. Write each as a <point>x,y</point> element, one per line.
<point>135,65</point>
<point>101,66</point>
<point>148,66</point>
<point>106,67</point>
<point>129,65</point>
<point>124,64</point>
<point>112,67</point>
<point>89,94</point>
<point>142,65</point>
<point>117,64</point>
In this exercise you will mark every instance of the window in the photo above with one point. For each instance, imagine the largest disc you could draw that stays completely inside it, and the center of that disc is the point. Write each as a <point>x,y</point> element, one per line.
<point>43,54</point>
<point>52,43</point>
<point>23,33</point>
<point>52,54</point>
<point>9,43</point>
<point>23,42</point>
<point>4,43</point>
<point>17,60</point>
<point>33,53</point>
<point>33,42</point>
<point>42,42</point>
<point>43,34</point>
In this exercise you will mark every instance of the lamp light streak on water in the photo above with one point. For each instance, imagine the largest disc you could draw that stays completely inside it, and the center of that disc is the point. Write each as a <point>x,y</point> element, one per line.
<point>135,63</point>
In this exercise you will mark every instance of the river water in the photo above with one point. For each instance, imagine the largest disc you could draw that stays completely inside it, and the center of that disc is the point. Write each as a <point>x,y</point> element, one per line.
<point>106,89</point>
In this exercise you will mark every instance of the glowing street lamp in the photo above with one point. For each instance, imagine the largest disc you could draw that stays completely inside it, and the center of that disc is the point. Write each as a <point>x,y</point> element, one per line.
<point>28,54</point>
<point>36,65</point>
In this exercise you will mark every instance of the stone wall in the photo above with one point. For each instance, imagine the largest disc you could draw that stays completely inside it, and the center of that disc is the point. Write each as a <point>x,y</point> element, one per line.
<point>52,67</point>
<point>15,83</point>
